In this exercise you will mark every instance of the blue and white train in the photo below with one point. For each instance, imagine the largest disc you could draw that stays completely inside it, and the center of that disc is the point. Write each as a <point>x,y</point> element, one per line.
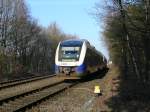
<point>77,58</point>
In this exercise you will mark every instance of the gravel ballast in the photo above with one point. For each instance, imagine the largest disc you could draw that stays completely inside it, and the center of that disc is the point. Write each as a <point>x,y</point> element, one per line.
<point>80,98</point>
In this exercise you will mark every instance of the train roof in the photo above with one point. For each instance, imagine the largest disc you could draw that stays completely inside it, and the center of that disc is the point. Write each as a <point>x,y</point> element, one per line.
<point>82,40</point>
<point>73,42</point>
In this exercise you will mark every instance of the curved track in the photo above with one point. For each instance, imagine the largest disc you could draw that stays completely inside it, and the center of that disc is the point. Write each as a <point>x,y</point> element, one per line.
<point>28,99</point>
<point>16,96</point>
<point>22,81</point>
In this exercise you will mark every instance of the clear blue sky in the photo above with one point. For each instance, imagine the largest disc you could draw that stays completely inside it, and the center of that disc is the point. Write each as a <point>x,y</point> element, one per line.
<point>72,16</point>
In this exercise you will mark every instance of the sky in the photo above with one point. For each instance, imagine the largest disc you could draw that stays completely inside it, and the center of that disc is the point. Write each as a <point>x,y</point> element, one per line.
<point>72,16</point>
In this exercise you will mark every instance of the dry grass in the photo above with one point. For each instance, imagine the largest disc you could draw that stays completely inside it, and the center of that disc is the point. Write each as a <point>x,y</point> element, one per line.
<point>107,93</point>
<point>125,96</point>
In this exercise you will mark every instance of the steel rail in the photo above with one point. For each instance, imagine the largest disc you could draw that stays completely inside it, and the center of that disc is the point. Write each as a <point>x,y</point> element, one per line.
<point>17,82</point>
<point>17,95</point>
<point>22,102</point>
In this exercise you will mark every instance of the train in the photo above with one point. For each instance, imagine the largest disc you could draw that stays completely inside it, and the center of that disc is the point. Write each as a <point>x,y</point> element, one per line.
<point>77,58</point>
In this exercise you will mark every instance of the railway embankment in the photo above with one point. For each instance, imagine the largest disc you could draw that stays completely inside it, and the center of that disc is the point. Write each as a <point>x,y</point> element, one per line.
<point>20,96</point>
<point>81,97</point>
<point>110,89</point>
<point>78,98</point>
<point>117,95</point>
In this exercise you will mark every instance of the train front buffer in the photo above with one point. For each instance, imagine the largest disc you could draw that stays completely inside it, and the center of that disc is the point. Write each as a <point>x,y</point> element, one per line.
<point>77,71</point>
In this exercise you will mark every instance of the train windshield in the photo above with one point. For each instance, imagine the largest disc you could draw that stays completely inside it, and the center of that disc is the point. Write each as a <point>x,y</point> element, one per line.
<point>70,51</point>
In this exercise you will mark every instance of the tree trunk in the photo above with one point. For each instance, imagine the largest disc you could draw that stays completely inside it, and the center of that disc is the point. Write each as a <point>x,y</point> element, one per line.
<point>127,40</point>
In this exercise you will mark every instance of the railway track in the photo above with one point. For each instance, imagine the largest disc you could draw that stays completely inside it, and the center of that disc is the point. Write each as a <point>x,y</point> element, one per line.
<point>22,78</point>
<point>22,81</point>
<point>27,100</point>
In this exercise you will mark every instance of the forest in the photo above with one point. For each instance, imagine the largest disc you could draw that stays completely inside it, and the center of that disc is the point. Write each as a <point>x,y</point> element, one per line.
<point>127,34</point>
<point>26,46</point>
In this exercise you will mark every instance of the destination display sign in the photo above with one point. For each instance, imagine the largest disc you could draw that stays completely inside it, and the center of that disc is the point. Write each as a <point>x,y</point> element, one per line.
<point>70,48</point>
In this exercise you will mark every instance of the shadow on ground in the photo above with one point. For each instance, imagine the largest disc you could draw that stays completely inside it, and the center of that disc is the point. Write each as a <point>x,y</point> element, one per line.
<point>90,77</point>
<point>132,96</point>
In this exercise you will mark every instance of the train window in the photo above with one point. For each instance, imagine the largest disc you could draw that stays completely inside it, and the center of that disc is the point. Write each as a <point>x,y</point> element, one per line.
<point>69,53</point>
<point>90,57</point>
<point>70,50</point>
<point>71,43</point>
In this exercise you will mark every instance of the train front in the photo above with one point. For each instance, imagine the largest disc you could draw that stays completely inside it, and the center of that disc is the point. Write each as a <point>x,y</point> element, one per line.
<point>69,58</point>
